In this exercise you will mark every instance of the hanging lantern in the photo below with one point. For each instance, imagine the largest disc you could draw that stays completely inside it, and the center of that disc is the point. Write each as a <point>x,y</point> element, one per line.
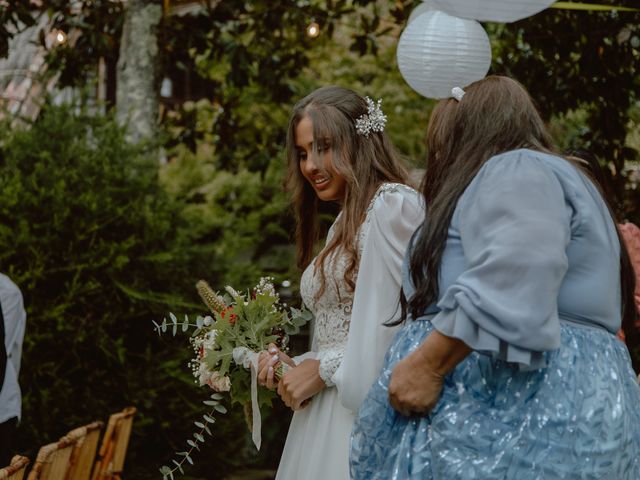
<point>492,10</point>
<point>437,52</point>
<point>419,10</point>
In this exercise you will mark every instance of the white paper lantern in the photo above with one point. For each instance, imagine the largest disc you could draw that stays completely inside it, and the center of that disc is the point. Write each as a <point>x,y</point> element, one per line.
<point>437,52</point>
<point>419,10</point>
<point>492,10</point>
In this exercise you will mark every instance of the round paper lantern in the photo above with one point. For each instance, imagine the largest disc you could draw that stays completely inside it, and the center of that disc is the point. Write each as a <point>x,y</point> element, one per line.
<point>492,10</point>
<point>437,52</point>
<point>419,10</point>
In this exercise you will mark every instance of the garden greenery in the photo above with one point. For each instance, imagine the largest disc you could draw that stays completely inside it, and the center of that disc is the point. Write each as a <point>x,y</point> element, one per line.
<point>99,248</point>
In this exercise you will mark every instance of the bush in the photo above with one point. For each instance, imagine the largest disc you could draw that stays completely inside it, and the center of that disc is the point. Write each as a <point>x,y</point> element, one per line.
<point>99,248</point>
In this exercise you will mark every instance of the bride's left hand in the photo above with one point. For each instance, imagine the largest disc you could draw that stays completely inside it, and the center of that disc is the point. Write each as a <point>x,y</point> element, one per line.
<point>300,384</point>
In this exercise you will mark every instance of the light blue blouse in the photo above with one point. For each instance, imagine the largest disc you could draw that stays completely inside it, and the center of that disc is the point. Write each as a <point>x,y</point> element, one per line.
<point>531,243</point>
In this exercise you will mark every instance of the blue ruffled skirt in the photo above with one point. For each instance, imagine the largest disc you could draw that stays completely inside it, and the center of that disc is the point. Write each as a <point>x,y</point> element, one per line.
<point>579,418</point>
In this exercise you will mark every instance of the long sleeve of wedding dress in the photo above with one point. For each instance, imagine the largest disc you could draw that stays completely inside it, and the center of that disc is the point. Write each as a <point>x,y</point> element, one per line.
<point>349,338</point>
<point>393,217</point>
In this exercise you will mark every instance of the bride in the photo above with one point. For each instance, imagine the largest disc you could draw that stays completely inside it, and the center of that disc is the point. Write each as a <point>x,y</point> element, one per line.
<point>338,152</point>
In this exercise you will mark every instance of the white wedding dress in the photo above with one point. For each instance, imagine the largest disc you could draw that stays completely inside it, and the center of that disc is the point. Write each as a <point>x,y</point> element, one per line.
<point>349,338</point>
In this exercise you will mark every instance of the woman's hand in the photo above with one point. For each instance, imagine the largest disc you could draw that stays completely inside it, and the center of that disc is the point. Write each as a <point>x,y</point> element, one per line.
<point>268,362</point>
<point>416,381</point>
<point>300,384</point>
<point>414,387</point>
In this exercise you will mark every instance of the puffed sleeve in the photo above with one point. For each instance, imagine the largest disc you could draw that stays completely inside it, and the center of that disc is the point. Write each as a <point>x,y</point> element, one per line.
<point>394,217</point>
<point>514,225</point>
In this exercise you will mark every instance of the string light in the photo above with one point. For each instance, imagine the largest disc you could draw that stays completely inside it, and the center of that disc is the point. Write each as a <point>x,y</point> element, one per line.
<point>60,37</point>
<point>313,30</point>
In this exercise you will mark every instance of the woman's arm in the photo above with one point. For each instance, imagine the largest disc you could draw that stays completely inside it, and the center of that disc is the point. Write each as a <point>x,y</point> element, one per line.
<point>416,381</point>
<point>515,224</point>
<point>514,227</point>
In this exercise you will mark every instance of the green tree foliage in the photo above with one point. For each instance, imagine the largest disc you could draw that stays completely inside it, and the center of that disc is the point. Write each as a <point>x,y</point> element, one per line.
<point>253,52</point>
<point>102,240</point>
<point>99,249</point>
<point>14,16</point>
<point>96,26</point>
<point>240,219</point>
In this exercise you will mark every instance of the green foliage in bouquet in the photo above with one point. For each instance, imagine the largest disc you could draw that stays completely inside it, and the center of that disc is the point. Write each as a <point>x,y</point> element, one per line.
<point>226,345</point>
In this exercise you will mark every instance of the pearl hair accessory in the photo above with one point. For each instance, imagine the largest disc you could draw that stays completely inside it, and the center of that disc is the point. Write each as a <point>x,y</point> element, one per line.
<point>373,121</point>
<point>457,93</point>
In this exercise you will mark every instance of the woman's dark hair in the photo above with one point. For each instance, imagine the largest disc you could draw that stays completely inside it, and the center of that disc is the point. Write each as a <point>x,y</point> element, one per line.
<point>495,116</point>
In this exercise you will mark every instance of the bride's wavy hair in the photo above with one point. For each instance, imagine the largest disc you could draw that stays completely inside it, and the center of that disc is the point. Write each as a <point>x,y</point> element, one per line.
<point>365,162</point>
<point>496,115</point>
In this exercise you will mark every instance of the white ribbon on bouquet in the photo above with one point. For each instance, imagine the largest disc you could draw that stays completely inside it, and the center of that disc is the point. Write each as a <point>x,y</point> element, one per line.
<point>249,360</point>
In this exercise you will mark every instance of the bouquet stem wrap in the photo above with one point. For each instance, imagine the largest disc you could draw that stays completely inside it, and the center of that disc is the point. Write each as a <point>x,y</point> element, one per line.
<point>249,360</point>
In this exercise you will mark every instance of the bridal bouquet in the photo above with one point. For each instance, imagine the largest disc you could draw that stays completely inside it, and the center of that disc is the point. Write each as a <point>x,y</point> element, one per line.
<point>226,345</point>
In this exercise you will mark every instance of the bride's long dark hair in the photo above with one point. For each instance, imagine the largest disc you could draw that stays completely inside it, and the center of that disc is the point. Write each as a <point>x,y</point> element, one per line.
<point>495,116</point>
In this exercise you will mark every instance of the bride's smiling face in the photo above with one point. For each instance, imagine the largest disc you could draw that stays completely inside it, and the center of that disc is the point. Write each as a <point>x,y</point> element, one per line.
<point>316,166</point>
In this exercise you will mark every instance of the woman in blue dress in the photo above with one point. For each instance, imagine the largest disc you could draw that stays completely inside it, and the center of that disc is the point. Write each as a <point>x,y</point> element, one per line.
<point>507,366</point>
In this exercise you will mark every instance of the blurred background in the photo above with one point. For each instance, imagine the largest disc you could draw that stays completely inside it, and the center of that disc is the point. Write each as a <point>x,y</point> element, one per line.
<point>141,149</point>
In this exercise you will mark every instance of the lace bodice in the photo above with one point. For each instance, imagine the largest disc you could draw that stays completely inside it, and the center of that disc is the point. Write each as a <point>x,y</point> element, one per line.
<point>332,310</point>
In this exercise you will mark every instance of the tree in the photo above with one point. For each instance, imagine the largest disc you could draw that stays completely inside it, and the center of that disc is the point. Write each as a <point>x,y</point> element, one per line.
<point>14,17</point>
<point>218,210</point>
<point>254,50</point>
<point>138,63</point>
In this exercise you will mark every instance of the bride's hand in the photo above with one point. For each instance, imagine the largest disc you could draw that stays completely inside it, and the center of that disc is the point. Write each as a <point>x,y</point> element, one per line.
<point>268,362</point>
<point>300,383</point>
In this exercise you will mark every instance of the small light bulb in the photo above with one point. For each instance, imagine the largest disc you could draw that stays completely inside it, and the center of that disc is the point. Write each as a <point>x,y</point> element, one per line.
<point>313,30</point>
<point>61,37</point>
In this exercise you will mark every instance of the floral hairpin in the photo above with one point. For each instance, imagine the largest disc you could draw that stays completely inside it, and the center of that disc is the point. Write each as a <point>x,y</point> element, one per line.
<point>372,121</point>
<point>457,93</point>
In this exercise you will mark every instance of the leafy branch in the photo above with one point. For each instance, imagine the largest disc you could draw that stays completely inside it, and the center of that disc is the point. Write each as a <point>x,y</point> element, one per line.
<point>198,438</point>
